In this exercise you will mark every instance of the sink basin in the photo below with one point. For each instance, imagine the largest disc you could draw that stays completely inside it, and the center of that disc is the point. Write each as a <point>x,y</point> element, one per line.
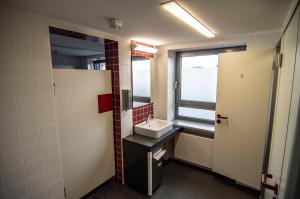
<point>155,129</point>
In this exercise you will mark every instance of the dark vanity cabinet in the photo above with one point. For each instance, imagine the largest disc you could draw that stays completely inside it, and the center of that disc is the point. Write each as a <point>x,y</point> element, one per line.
<point>144,160</point>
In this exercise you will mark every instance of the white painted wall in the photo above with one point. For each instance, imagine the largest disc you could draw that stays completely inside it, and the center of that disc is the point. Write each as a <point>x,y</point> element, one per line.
<point>171,85</point>
<point>195,149</point>
<point>162,94</point>
<point>87,136</point>
<point>29,143</point>
<point>160,84</point>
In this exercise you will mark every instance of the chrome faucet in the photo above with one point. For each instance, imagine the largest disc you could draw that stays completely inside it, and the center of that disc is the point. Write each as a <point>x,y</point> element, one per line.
<point>149,119</point>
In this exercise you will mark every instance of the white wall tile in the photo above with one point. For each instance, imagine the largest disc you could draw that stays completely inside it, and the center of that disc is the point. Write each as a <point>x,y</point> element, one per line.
<point>20,47</point>
<point>30,136</point>
<point>53,175</point>
<point>49,131</point>
<point>40,50</point>
<point>32,152</point>
<point>22,66</point>
<point>18,29</point>
<point>52,161</point>
<point>2,194</point>
<point>5,63</point>
<point>6,83</point>
<point>26,102</point>
<point>9,141</point>
<point>55,189</point>
<point>42,67</point>
<point>36,184</point>
<point>7,104</point>
<point>44,83</point>
<point>11,159</point>
<point>27,110</point>
<point>14,176</point>
<point>24,84</point>
<point>34,168</point>
<point>45,100</point>
<point>47,116</point>
<point>60,195</point>
<point>50,146</point>
<point>39,195</point>
<point>28,119</point>
<point>2,185</point>
<point>18,191</point>
<point>8,122</point>
<point>39,32</point>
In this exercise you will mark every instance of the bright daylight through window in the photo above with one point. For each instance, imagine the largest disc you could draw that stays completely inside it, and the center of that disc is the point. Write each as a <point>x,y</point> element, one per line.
<point>198,87</point>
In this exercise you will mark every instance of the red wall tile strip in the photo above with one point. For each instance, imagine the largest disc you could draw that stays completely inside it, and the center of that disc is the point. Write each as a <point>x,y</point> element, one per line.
<point>104,103</point>
<point>141,113</point>
<point>112,63</point>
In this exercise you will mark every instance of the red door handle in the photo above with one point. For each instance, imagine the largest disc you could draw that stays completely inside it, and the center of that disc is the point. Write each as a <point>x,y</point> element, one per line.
<point>264,178</point>
<point>219,117</point>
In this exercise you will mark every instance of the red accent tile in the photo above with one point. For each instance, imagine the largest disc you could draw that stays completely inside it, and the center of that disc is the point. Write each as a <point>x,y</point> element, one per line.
<point>104,103</point>
<point>112,63</point>
<point>140,114</point>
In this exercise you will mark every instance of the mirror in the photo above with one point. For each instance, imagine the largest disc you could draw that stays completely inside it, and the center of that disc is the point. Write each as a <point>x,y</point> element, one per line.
<point>141,70</point>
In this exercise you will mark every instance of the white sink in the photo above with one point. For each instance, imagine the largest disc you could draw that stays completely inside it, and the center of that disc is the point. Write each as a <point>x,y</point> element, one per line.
<point>155,129</point>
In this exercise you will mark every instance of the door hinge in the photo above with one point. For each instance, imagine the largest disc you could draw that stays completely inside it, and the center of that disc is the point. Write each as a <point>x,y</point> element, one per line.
<point>65,192</point>
<point>278,60</point>
<point>176,85</point>
<point>54,89</point>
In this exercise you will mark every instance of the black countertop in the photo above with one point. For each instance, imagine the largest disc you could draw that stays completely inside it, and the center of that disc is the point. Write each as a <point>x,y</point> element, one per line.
<point>150,143</point>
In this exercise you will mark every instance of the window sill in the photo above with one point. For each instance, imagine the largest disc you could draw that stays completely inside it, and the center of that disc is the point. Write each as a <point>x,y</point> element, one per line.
<point>137,104</point>
<point>195,128</point>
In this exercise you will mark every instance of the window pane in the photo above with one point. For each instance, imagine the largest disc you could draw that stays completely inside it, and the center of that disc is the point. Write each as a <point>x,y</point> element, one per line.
<point>199,78</point>
<point>197,113</point>
<point>141,78</point>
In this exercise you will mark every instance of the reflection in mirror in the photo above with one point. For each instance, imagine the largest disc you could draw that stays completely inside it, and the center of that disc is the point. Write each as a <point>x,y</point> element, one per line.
<point>140,80</point>
<point>73,50</point>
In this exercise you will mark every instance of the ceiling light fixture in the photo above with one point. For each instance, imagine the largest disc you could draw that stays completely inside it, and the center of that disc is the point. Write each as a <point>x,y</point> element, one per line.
<point>177,10</point>
<point>143,48</point>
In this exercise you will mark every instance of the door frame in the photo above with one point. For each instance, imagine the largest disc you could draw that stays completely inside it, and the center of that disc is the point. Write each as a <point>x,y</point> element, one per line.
<point>272,105</point>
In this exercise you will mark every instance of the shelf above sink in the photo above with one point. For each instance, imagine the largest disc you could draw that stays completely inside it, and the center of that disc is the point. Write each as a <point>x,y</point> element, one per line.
<point>154,129</point>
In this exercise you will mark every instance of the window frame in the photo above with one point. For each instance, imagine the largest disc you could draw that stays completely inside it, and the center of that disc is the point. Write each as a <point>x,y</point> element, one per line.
<point>141,99</point>
<point>196,104</point>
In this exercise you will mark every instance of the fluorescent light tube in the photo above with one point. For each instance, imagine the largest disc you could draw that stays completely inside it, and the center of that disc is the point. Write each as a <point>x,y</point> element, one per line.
<point>142,48</point>
<point>178,11</point>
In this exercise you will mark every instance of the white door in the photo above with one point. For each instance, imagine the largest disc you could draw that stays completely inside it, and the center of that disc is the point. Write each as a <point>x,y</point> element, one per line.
<point>242,95</point>
<point>86,136</point>
<point>284,114</point>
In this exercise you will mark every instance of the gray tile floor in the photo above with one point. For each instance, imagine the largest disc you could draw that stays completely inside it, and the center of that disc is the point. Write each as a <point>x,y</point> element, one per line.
<point>179,182</point>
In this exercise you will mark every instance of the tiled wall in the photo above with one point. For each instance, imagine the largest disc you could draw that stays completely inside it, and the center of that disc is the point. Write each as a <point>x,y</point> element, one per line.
<point>112,63</point>
<point>141,113</point>
<point>29,146</point>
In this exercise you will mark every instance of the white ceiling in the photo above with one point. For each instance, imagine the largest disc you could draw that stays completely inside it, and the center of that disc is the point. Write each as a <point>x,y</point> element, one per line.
<point>145,20</point>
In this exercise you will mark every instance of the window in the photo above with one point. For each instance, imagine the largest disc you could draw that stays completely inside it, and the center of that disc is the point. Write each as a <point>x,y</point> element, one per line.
<point>141,79</point>
<point>196,78</point>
